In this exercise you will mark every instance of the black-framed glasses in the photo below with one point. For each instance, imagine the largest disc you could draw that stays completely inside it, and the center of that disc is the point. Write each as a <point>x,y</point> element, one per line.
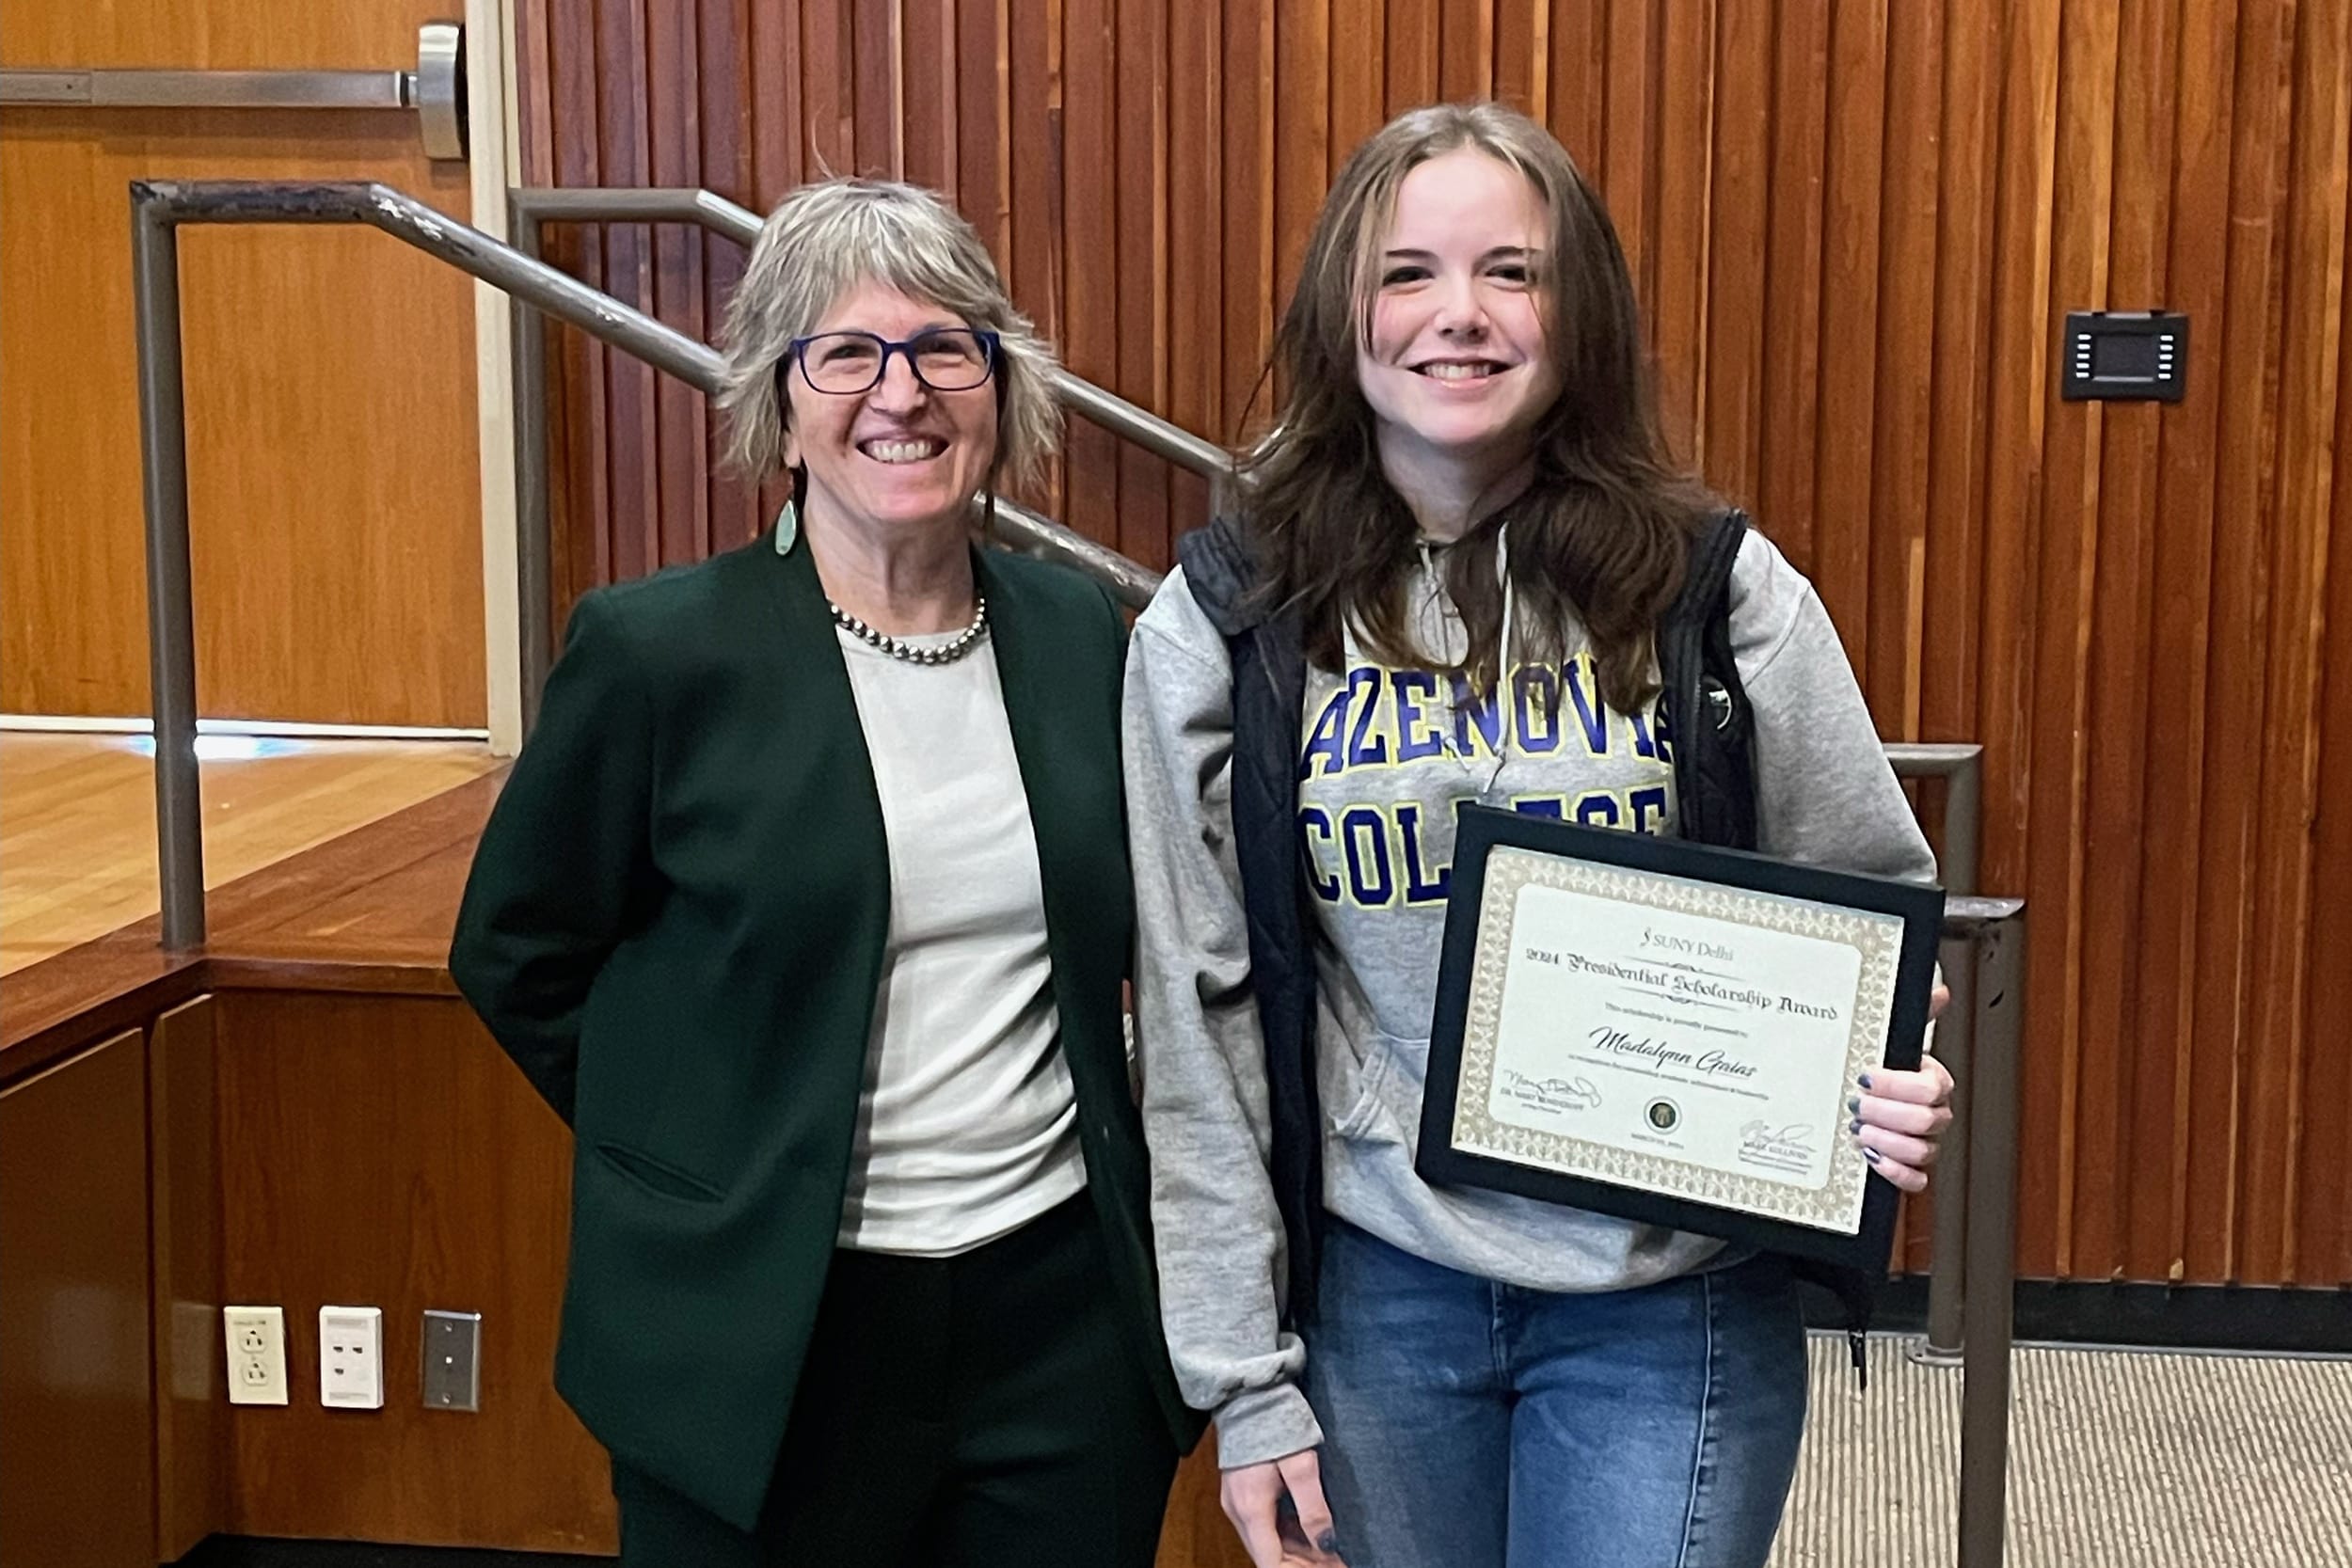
<point>945,358</point>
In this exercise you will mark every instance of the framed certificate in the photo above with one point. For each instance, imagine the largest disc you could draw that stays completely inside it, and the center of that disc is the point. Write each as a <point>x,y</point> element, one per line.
<point>1670,1032</point>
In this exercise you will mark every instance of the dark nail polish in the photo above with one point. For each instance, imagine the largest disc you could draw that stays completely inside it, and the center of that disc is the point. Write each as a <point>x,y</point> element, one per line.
<point>1864,1080</point>
<point>1329,1541</point>
<point>1854,1104</point>
<point>1854,1126</point>
<point>1871,1155</point>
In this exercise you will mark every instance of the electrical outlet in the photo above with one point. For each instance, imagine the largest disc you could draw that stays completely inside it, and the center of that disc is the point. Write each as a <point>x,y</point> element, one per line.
<point>351,1357</point>
<point>257,1354</point>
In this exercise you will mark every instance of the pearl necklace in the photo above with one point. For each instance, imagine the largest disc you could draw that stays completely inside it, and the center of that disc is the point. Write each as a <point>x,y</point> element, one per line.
<point>946,653</point>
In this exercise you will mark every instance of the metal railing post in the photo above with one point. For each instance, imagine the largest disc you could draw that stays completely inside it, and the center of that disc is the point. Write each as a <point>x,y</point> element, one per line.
<point>170,596</point>
<point>534,569</point>
<point>1960,768</point>
<point>1997,974</point>
<point>1959,765</point>
<point>1948,1258</point>
<point>528,209</point>
<point>157,210</point>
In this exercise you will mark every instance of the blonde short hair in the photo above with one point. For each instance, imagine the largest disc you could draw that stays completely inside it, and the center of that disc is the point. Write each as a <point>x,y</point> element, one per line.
<point>824,240</point>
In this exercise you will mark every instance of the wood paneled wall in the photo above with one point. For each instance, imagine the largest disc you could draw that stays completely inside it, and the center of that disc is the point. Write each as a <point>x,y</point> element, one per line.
<point>335,513</point>
<point>302,1148</point>
<point>1857,226</point>
<point>75,1392</point>
<point>183,1154</point>
<point>379,1151</point>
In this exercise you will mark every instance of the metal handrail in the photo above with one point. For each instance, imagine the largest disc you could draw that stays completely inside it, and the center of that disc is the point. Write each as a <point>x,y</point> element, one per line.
<point>1141,426</point>
<point>158,209</point>
<point>529,207</point>
<point>688,204</point>
<point>1961,766</point>
<point>627,204</point>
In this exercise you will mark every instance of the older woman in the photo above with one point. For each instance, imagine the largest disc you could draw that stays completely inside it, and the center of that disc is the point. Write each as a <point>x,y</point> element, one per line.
<point>806,907</point>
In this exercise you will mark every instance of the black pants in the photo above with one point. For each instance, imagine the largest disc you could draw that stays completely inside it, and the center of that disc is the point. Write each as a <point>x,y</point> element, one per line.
<point>981,1411</point>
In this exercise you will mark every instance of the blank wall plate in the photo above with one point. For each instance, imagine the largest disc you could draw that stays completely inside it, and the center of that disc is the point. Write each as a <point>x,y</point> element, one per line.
<point>351,1357</point>
<point>256,1337</point>
<point>452,1360</point>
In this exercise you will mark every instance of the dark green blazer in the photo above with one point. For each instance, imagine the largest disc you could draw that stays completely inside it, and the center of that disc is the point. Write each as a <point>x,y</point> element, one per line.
<point>674,926</point>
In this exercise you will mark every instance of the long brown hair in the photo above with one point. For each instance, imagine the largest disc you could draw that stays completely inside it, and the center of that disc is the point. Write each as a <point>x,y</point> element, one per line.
<point>1603,529</point>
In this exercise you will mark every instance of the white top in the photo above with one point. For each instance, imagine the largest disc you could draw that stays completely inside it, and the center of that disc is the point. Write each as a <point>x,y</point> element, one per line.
<point>967,1124</point>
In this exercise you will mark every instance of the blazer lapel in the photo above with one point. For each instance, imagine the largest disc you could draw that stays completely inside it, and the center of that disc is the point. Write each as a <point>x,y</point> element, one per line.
<point>809,657</point>
<point>799,599</point>
<point>829,754</point>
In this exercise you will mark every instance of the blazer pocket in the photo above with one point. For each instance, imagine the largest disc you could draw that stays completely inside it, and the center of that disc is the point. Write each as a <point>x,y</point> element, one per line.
<point>658,1176</point>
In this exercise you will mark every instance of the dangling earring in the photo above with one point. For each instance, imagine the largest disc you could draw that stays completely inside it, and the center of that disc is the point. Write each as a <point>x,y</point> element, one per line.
<point>788,517</point>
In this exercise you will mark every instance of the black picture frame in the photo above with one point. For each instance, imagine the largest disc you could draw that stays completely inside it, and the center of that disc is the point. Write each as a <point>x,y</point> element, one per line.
<point>1482,829</point>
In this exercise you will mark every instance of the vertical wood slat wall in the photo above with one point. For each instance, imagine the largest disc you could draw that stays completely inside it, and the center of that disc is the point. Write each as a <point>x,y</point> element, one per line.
<point>1857,226</point>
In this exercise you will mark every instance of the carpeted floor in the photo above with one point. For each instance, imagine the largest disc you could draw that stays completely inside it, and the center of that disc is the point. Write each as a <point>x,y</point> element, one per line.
<point>2118,1459</point>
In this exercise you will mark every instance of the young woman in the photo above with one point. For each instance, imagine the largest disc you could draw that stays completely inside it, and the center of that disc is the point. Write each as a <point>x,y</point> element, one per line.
<point>1459,548</point>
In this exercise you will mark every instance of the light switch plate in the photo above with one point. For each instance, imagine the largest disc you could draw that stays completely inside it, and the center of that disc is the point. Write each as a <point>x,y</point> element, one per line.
<point>351,1357</point>
<point>452,1360</point>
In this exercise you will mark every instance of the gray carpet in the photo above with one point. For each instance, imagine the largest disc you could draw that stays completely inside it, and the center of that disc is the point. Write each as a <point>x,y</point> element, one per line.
<point>2118,1459</point>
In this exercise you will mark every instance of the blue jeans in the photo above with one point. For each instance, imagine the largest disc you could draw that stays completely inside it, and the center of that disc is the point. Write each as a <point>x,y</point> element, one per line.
<point>1468,1424</point>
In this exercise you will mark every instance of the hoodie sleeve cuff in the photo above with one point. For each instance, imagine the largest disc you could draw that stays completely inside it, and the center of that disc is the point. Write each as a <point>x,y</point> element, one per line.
<point>1263,1424</point>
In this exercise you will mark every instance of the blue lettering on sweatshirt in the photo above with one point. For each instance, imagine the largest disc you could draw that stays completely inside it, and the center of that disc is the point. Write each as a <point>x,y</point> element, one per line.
<point>1375,853</point>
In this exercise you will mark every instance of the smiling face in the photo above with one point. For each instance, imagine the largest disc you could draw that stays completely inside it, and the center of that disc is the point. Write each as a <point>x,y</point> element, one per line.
<point>898,455</point>
<point>1455,369</point>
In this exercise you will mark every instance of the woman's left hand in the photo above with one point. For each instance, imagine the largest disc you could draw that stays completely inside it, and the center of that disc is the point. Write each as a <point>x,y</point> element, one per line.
<point>1899,1118</point>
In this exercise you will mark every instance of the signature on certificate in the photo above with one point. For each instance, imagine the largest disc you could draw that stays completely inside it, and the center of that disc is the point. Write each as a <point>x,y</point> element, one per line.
<point>1553,1094</point>
<point>1792,1141</point>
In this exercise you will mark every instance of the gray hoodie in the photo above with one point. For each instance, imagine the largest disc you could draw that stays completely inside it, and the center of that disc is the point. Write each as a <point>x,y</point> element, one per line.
<point>1385,756</point>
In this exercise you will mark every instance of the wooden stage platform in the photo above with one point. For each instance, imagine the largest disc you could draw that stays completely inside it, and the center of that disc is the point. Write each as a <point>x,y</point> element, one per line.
<point>370,910</point>
<point>77,819</point>
<point>348,854</point>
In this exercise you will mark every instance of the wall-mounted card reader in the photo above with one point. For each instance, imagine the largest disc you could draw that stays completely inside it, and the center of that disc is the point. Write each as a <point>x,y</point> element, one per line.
<point>2128,355</point>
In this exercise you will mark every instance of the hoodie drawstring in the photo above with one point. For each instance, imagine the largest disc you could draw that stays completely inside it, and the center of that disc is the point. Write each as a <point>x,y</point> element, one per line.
<point>1502,574</point>
<point>1502,651</point>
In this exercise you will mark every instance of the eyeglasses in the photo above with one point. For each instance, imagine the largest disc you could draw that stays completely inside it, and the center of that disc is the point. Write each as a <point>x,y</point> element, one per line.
<point>945,358</point>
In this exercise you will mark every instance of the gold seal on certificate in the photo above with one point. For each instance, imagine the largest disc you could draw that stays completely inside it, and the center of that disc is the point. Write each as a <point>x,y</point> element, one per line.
<point>1671,1032</point>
